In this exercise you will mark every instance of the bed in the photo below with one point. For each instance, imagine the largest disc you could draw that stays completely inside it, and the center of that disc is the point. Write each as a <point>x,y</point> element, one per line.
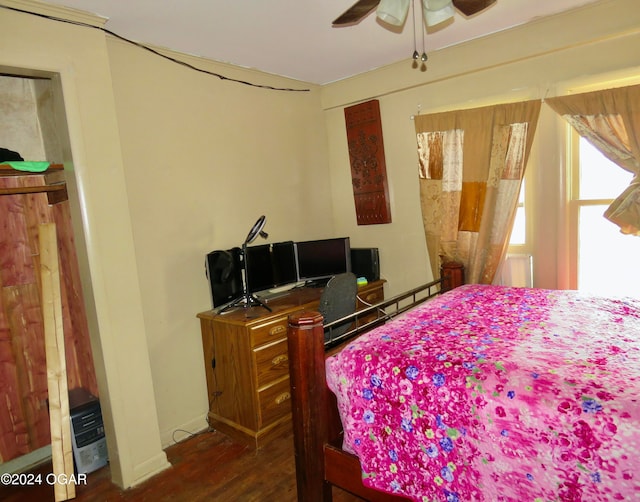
<point>483,393</point>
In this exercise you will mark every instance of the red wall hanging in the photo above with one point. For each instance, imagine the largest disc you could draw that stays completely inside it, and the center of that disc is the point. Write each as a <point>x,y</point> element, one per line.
<point>368,167</point>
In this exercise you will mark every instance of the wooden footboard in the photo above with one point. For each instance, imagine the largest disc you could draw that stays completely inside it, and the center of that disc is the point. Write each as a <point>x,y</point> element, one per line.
<point>320,460</point>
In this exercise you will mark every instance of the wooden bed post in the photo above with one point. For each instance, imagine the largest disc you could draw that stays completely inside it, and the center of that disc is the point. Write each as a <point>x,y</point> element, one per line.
<point>452,273</point>
<point>309,402</point>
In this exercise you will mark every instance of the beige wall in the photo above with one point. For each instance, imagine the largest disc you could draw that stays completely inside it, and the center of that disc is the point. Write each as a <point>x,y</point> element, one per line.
<point>596,43</point>
<point>204,158</point>
<point>171,163</point>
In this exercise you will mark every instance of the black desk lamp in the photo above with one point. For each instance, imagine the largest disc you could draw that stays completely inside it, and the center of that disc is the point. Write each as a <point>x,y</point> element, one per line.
<point>247,299</point>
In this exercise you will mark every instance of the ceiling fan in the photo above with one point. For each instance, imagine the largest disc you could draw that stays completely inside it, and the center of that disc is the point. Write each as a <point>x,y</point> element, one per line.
<point>361,8</point>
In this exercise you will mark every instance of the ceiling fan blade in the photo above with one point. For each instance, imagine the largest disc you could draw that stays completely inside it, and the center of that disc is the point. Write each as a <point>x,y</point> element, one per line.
<point>471,7</point>
<point>356,12</point>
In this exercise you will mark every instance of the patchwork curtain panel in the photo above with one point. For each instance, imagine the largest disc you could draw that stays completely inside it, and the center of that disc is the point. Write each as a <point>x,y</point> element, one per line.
<point>471,165</point>
<point>610,121</point>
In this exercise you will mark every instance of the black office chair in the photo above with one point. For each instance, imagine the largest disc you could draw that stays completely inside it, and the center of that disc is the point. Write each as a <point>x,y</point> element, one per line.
<point>338,300</point>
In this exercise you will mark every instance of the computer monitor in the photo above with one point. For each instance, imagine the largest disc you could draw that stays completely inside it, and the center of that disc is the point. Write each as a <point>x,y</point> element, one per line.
<point>283,259</point>
<point>259,268</point>
<point>270,265</point>
<point>319,260</point>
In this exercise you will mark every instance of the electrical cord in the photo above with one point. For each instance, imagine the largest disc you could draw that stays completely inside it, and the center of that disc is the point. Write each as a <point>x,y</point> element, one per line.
<point>154,51</point>
<point>188,434</point>
<point>371,305</point>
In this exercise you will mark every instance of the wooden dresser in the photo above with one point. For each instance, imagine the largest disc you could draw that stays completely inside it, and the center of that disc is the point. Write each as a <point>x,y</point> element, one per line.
<point>247,365</point>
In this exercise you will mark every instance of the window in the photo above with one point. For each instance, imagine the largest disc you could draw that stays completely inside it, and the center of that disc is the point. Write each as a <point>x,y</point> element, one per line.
<point>519,229</point>
<point>605,261</point>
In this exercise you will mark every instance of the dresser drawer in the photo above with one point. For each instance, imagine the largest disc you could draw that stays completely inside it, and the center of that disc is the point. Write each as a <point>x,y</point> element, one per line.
<point>269,332</point>
<point>272,362</point>
<point>370,297</point>
<point>275,401</point>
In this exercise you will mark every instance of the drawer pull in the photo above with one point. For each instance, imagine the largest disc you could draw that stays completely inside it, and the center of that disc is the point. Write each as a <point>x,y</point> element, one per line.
<point>371,297</point>
<point>282,358</point>
<point>277,330</point>
<point>285,396</point>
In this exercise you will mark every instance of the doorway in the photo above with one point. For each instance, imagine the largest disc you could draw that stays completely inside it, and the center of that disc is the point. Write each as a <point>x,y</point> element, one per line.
<point>33,124</point>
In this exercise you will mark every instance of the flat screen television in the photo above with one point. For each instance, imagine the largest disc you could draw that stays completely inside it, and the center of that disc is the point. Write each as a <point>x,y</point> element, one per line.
<point>319,260</point>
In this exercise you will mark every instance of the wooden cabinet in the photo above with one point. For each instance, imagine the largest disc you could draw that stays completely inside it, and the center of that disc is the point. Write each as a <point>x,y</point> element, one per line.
<point>247,363</point>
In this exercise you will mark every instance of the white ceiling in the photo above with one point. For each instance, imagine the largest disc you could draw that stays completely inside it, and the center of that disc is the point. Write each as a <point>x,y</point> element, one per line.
<point>294,38</point>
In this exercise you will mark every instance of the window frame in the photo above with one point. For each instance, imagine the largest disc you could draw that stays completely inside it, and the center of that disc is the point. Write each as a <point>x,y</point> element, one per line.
<point>574,203</point>
<point>525,189</point>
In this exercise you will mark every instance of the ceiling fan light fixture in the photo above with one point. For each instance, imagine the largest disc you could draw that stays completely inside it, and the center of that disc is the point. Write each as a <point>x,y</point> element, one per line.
<point>393,12</point>
<point>437,11</point>
<point>471,7</point>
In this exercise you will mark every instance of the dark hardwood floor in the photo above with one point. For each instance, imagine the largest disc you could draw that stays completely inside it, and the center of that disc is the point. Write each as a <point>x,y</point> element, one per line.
<point>205,467</point>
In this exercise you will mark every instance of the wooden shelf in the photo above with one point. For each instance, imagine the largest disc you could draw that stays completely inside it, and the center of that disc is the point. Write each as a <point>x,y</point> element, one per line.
<point>51,181</point>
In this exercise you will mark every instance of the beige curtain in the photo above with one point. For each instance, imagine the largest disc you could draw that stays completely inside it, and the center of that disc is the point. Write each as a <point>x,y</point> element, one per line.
<point>471,164</point>
<point>610,120</point>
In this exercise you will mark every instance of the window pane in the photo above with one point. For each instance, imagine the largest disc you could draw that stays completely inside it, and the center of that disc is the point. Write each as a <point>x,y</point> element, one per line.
<point>519,229</point>
<point>518,232</point>
<point>599,177</point>
<point>608,260</point>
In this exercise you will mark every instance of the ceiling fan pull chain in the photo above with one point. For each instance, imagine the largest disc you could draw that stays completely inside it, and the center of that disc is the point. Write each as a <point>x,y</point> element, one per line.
<point>424,56</point>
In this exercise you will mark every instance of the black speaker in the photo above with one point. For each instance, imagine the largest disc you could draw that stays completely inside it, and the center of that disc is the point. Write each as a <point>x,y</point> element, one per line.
<point>224,271</point>
<point>365,262</point>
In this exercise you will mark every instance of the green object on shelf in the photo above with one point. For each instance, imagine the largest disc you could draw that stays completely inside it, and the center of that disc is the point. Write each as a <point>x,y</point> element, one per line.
<point>29,166</point>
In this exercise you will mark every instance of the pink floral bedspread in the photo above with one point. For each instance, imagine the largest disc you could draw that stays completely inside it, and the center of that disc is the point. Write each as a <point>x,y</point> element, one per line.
<point>497,394</point>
